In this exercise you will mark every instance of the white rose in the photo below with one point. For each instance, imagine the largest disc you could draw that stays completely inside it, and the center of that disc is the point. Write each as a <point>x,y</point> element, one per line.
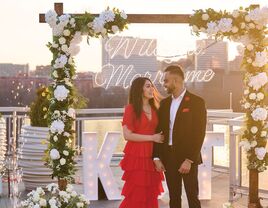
<point>249,60</point>
<point>80,204</point>
<point>36,206</point>
<point>253,144</point>
<point>69,188</point>
<point>64,48</point>
<point>261,59</point>
<point>55,138</point>
<point>65,152</point>
<point>235,13</point>
<point>250,47</point>
<point>51,17</point>
<point>202,29</point>
<point>259,114</point>
<point>246,92</point>
<point>243,25</point>
<point>205,17</point>
<point>57,126</point>
<point>54,45</point>
<point>225,24</point>
<point>245,145</point>
<point>260,96</point>
<point>52,202</point>
<point>123,14</point>
<point>251,25</point>
<point>252,96</point>
<point>73,194</point>
<point>43,203</point>
<point>62,161</point>
<point>254,129</point>
<point>234,29</point>
<point>247,105</point>
<point>260,152</point>
<point>263,133</point>
<point>66,134</point>
<point>66,32</point>
<point>72,21</point>
<point>70,61</point>
<point>60,61</point>
<point>36,197</point>
<point>71,113</point>
<point>247,19</point>
<point>258,80</point>
<point>62,40</point>
<point>61,92</point>
<point>195,28</point>
<point>54,154</point>
<point>115,29</point>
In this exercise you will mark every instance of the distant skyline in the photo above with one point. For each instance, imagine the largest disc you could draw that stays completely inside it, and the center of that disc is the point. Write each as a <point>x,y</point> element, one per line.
<point>23,39</point>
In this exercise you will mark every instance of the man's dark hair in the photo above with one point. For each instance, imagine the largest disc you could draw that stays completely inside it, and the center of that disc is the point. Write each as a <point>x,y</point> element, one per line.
<point>176,70</point>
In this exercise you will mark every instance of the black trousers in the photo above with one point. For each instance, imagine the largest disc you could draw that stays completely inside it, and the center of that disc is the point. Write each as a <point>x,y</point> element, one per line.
<point>174,183</point>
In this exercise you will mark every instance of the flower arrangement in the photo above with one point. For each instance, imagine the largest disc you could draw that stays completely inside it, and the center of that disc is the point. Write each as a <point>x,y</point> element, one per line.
<point>55,198</point>
<point>67,34</point>
<point>247,26</point>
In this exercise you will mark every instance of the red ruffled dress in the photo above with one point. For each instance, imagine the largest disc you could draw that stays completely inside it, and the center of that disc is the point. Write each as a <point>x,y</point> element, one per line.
<point>143,183</point>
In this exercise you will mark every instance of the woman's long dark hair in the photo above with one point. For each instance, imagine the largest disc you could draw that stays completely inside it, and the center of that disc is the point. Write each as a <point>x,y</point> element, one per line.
<point>135,96</point>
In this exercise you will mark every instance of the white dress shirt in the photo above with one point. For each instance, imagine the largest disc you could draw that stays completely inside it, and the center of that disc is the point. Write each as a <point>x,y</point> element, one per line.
<point>175,104</point>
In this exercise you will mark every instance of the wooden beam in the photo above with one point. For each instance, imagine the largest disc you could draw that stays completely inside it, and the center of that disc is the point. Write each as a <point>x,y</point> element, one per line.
<point>145,18</point>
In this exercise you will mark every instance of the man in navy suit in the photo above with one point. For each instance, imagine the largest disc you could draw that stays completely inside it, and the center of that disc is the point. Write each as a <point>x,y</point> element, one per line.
<point>182,119</point>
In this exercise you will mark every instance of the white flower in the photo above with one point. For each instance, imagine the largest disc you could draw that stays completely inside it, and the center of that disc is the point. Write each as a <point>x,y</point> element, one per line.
<point>253,144</point>
<point>62,161</point>
<point>202,29</point>
<point>60,62</point>
<point>61,92</point>
<point>212,28</point>
<point>79,204</point>
<point>254,14</point>
<point>54,154</point>
<point>258,81</point>
<point>43,202</point>
<point>66,32</point>
<point>115,29</point>
<point>235,13</point>
<point>39,190</point>
<point>261,59</point>
<point>123,14</point>
<point>245,144</point>
<point>54,45</point>
<point>246,91</point>
<point>205,17</point>
<point>57,126</point>
<point>52,186</point>
<point>195,28</point>
<point>243,25</point>
<point>71,113</point>
<point>247,18</point>
<point>70,61</point>
<point>254,129</point>
<point>65,152</point>
<point>52,202</point>
<point>225,24</point>
<point>260,152</point>
<point>249,60</point>
<point>247,105</point>
<point>57,30</point>
<point>64,48</point>
<point>251,25</point>
<point>66,134</point>
<point>36,206</point>
<point>259,114</point>
<point>252,96</point>
<point>73,194</point>
<point>98,25</point>
<point>107,15</point>
<point>62,40</point>
<point>263,133</point>
<point>64,19</point>
<point>72,21</point>
<point>36,197</point>
<point>69,188</point>
<point>51,18</point>
<point>234,29</point>
<point>55,138</point>
<point>260,96</point>
<point>250,47</point>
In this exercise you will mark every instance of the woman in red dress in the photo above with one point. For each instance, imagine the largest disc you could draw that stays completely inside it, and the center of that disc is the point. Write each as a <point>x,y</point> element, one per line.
<point>143,183</point>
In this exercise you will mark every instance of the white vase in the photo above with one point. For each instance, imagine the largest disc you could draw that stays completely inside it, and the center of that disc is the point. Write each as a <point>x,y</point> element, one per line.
<point>31,154</point>
<point>35,173</point>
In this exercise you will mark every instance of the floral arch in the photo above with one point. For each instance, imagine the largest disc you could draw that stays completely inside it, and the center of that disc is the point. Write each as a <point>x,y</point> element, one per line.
<point>245,25</point>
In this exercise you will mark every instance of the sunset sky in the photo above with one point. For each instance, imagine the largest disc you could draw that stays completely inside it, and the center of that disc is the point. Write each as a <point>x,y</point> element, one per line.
<point>23,39</point>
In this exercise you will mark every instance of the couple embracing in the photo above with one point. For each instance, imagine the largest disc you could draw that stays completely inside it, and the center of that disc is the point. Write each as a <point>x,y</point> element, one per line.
<point>162,139</point>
